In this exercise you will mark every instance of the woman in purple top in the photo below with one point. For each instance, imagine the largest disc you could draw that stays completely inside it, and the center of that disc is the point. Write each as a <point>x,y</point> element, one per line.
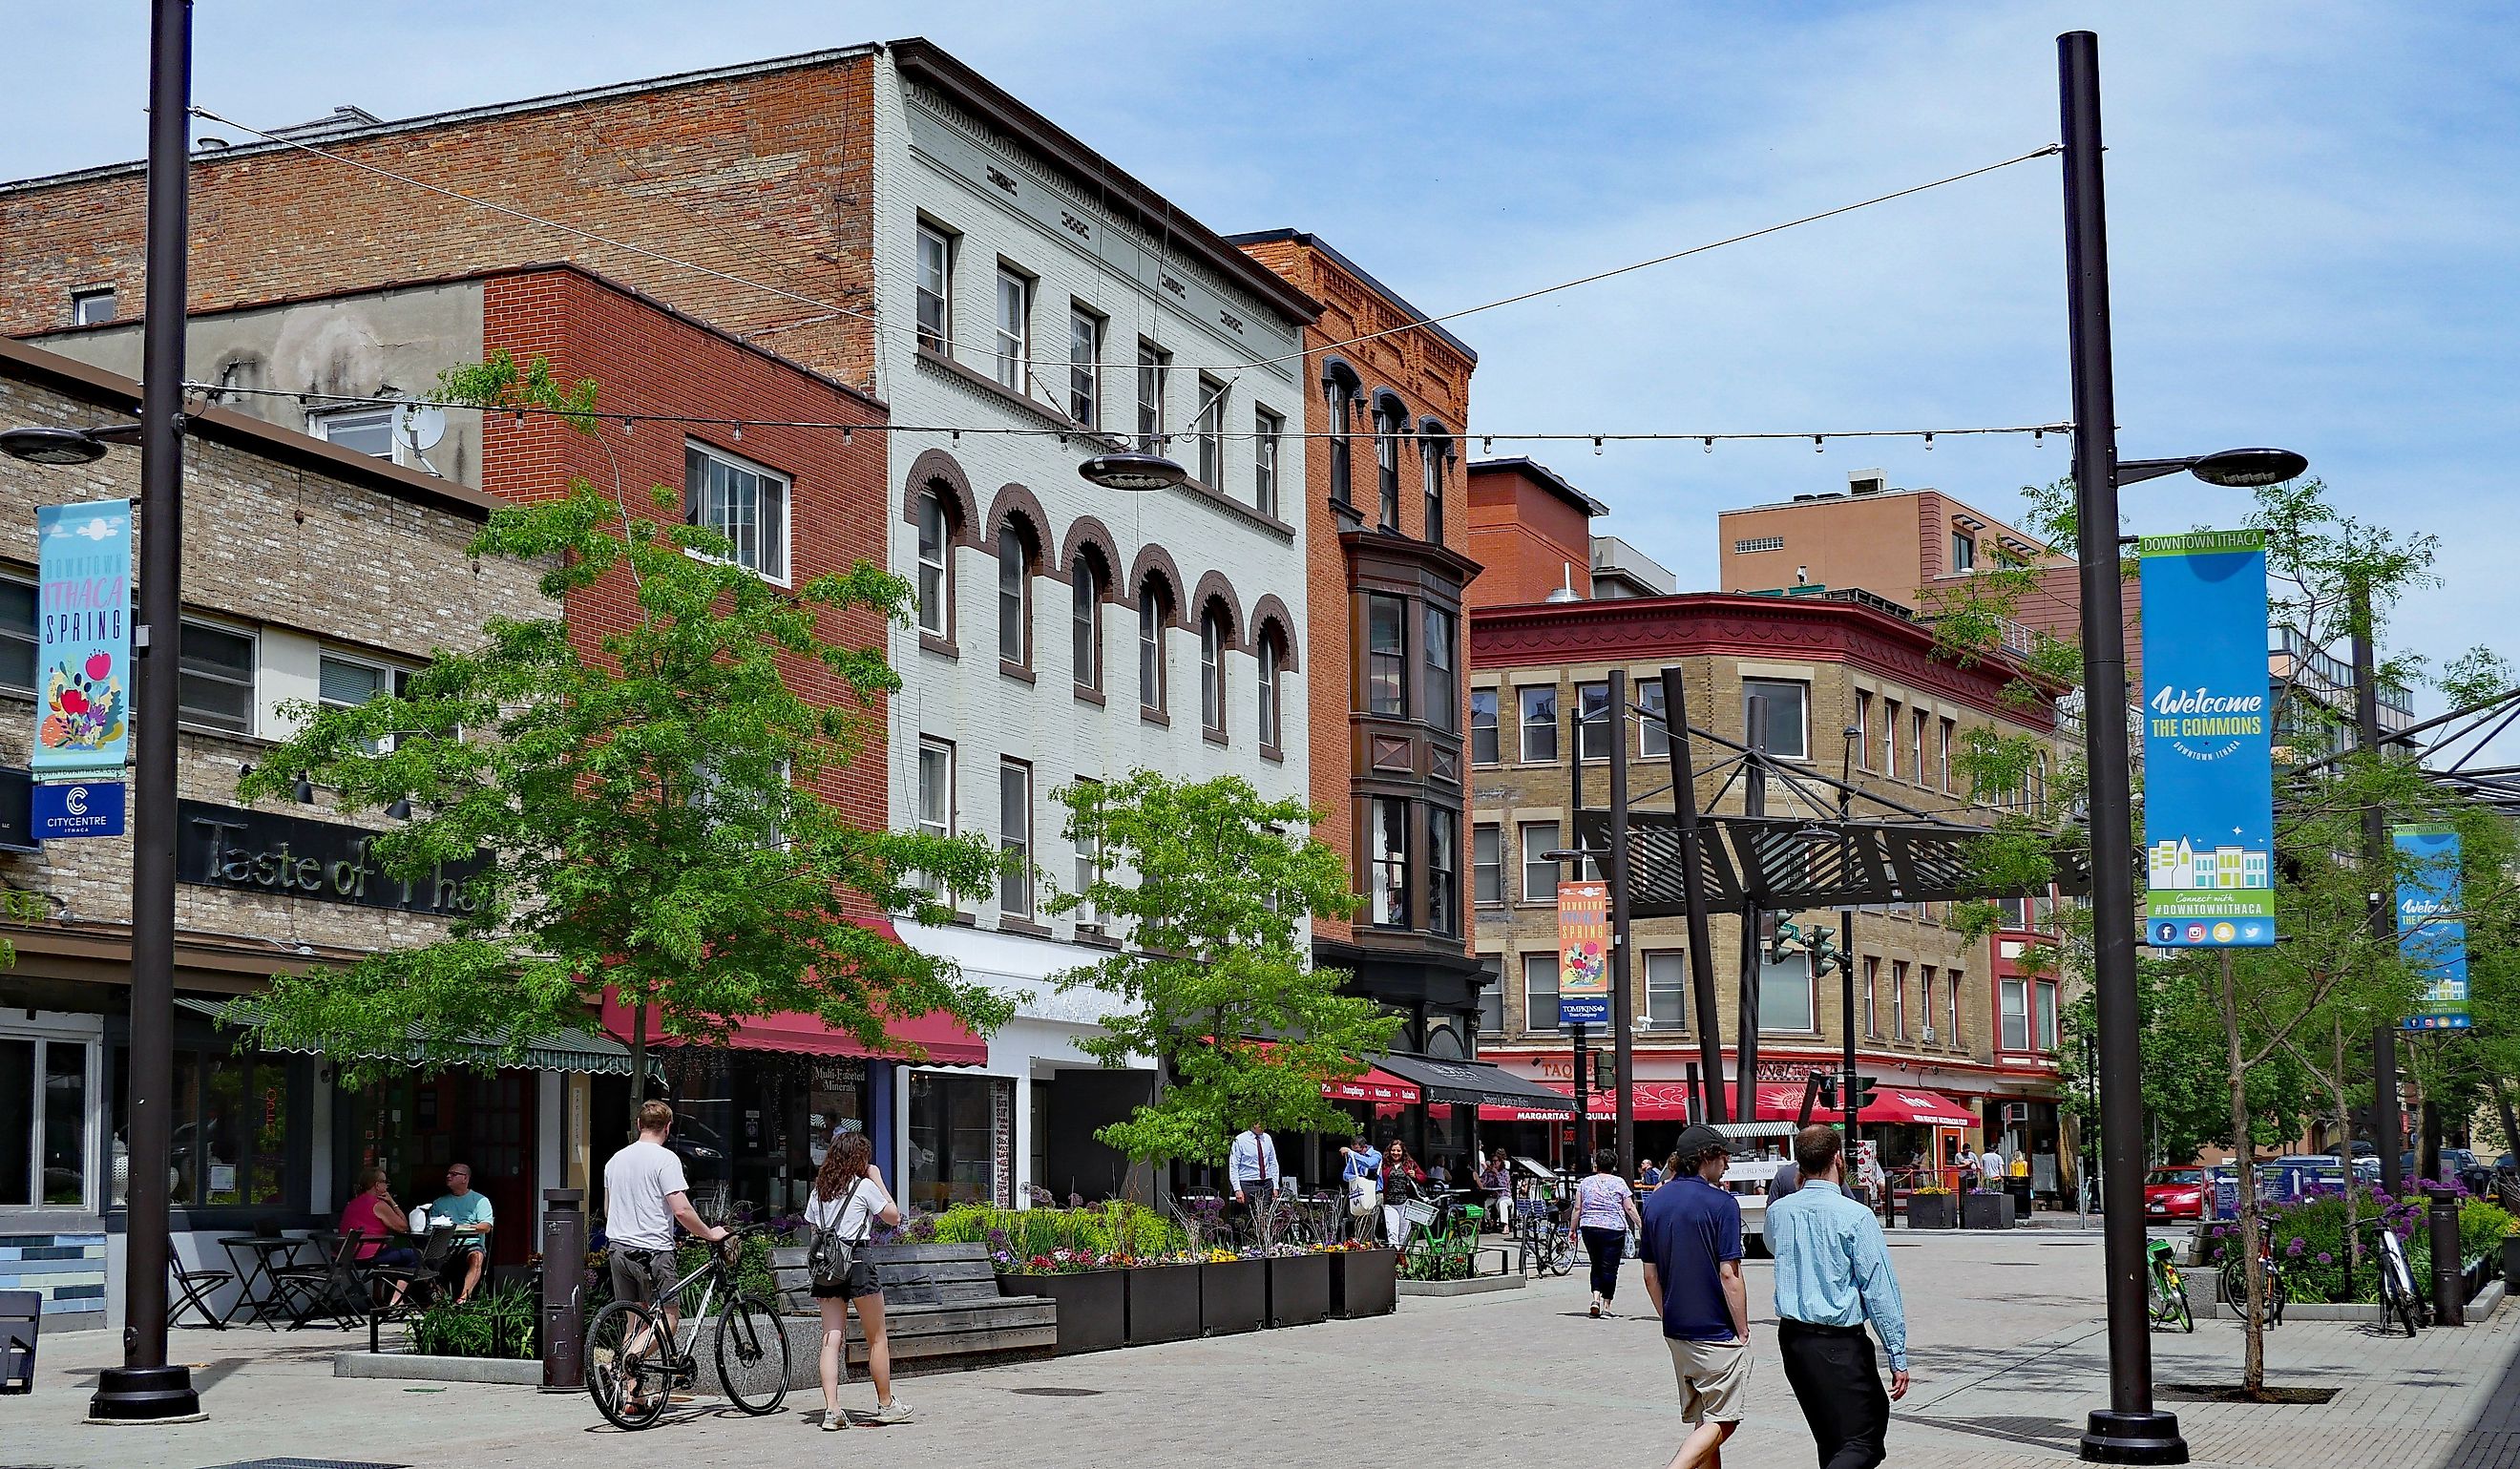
<point>1605,1210</point>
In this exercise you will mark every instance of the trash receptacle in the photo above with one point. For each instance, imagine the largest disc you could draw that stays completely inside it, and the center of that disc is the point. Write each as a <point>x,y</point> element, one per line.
<point>564,1289</point>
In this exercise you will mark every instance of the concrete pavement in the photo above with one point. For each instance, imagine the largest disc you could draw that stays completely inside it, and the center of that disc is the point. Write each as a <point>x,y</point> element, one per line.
<point>2007,1353</point>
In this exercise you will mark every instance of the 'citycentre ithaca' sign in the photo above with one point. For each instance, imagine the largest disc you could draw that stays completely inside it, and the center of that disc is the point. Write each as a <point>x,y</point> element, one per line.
<point>2432,931</point>
<point>1583,954</point>
<point>82,640</point>
<point>2208,742</point>
<point>292,856</point>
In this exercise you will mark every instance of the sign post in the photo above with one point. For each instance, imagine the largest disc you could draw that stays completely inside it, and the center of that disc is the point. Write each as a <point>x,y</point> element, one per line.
<point>2208,743</point>
<point>2432,932</point>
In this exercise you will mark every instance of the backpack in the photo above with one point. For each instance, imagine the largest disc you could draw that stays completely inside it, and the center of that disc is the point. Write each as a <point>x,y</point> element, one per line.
<point>828,1264</point>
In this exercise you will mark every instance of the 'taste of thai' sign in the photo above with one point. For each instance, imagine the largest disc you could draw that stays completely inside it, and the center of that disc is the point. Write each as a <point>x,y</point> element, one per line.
<point>260,850</point>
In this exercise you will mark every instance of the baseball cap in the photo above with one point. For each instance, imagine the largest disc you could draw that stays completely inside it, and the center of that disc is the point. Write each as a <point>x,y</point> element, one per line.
<point>1697,1141</point>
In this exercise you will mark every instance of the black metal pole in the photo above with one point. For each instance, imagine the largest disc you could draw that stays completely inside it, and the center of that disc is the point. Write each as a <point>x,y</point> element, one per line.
<point>1701,947</point>
<point>2378,861</point>
<point>1754,802</point>
<point>145,1386</point>
<point>1623,1022</point>
<point>2129,1431</point>
<point>1846,1017</point>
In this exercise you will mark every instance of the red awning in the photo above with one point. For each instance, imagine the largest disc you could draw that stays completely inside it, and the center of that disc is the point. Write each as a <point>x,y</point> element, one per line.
<point>947,1041</point>
<point>1376,1085</point>
<point>1912,1105</point>
<point>1656,1101</point>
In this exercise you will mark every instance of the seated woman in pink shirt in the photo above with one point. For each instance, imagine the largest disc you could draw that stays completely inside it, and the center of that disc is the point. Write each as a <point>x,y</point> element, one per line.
<point>372,1213</point>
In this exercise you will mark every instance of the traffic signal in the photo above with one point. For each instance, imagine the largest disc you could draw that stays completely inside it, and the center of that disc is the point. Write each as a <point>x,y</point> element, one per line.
<point>1605,1071</point>
<point>1829,1092</point>
<point>1863,1091</point>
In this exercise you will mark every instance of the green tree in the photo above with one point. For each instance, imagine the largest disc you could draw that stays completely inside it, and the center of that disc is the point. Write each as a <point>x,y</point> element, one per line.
<point>636,802</point>
<point>1210,884</point>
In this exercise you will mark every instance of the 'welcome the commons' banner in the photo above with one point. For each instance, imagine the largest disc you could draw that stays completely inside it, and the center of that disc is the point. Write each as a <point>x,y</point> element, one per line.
<point>2208,742</point>
<point>83,640</point>
<point>2431,930</point>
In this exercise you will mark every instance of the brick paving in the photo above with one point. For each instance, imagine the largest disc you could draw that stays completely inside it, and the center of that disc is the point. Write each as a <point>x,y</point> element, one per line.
<point>2008,1350</point>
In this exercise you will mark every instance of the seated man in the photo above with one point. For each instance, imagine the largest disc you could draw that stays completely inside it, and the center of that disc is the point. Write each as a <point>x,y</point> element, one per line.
<point>469,1214</point>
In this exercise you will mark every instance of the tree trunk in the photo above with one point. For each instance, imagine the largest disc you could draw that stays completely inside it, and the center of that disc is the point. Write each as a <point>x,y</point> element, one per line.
<point>2502,1104</point>
<point>2253,1374</point>
<point>638,1062</point>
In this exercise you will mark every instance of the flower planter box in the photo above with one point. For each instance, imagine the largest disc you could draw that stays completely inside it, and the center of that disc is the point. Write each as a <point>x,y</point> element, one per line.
<point>1364,1282</point>
<point>1092,1307</point>
<point>1986,1211</point>
<point>1233,1297</point>
<point>1163,1303</point>
<point>1930,1211</point>
<point>1299,1289</point>
<point>2511,1259</point>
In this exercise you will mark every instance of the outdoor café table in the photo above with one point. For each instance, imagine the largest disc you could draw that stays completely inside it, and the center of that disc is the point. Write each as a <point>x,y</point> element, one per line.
<point>256,1256</point>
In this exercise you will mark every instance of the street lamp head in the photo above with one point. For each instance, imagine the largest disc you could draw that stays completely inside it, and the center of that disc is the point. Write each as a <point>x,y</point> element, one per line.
<point>2249,469</point>
<point>1133,470</point>
<point>52,446</point>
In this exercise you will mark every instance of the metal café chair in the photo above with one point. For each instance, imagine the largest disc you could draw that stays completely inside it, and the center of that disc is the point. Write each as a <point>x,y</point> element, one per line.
<point>327,1286</point>
<point>194,1287</point>
<point>419,1282</point>
<point>21,1320</point>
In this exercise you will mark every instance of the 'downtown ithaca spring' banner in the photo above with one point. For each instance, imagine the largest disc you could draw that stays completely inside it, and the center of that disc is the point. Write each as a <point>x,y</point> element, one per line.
<point>83,640</point>
<point>2430,931</point>
<point>2208,732</point>
<point>1584,954</point>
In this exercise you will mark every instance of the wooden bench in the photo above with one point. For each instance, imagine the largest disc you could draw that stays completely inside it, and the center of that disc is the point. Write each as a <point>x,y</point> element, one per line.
<point>941,1307</point>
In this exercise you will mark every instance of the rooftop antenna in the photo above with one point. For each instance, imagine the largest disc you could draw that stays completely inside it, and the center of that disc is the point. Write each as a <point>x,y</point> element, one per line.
<point>1566,587</point>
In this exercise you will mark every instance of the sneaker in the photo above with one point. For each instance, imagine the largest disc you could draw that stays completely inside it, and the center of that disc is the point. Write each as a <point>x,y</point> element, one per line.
<point>834,1419</point>
<point>895,1411</point>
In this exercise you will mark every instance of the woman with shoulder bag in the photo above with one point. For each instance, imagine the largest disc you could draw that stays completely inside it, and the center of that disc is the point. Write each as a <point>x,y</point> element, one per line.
<point>849,1200</point>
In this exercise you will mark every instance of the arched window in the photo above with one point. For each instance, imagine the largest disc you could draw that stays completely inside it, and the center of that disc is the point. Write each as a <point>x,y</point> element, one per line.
<point>1084,620</point>
<point>1390,423</point>
<point>1154,601</point>
<point>1272,662</point>
<point>936,565</point>
<point>1014,594</point>
<point>1340,386</point>
<point>1434,447</point>
<point>1212,633</point>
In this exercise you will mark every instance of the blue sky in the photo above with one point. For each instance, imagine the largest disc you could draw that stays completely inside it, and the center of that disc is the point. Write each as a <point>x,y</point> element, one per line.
<point>2312,211</point>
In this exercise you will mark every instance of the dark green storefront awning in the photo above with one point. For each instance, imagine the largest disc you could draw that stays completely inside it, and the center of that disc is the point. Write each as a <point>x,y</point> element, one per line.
<point>1475,1083</point>
<point>576,1050</point>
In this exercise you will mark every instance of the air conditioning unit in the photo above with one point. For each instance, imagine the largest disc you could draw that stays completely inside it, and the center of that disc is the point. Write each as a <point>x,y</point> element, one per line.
<point>1930,1035</point>
<point>2015,1113</point>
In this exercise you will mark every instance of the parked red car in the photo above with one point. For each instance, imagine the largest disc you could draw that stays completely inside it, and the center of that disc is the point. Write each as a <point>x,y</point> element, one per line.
<point>2174,1193</point>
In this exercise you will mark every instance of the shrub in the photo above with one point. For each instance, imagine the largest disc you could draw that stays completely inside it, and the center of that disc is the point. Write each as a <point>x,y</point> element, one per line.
<point>1113,1230</point>
<point>499,1322</point>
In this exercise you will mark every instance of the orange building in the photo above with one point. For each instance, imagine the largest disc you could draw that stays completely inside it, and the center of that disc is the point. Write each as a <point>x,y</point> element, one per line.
<point>1389,566</point>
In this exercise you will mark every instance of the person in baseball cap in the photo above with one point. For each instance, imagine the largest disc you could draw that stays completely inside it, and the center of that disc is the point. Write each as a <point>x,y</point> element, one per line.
<point>1692,1258</point>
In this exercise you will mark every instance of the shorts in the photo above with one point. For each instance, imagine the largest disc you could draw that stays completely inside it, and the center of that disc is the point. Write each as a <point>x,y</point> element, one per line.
<point>640,1275</point>
<point>1713,1378</point>
<point>864,1280</point>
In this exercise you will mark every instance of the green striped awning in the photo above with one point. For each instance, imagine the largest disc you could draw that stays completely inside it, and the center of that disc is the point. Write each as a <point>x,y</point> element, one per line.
<point>570,1049</point>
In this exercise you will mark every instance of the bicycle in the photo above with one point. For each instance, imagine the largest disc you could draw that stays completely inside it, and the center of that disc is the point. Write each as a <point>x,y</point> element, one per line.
<point>2399,1299</point>
<point>1544,1244</point>
<point>2233,1287</point>
<point>632,1382</point>
<point>1443,1235</point>
<point>2168,1288</point>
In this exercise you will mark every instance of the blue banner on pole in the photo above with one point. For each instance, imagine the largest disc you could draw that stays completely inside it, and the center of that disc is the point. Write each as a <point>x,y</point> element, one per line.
<point>82,639</point>
<point>1586,1010</point>
<point>2432,931</point>
<point>2208,742</point>
<point>78,808</point>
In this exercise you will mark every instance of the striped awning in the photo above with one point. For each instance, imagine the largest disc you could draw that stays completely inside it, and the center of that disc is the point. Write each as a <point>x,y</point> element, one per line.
<point>570,1049</point>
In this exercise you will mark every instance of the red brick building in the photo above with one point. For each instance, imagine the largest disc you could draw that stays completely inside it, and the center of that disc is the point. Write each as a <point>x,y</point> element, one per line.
<point>1387,570</point>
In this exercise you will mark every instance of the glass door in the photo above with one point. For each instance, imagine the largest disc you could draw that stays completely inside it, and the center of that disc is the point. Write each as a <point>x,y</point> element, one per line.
<point>44,1124</point>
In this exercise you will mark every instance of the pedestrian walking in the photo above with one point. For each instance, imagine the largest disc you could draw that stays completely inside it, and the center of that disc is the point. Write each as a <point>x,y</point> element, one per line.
<point>1605,1211</point>
<point>1832,1275</point>
<point>849,1200</point>
<point>1361,1174</point>
<point>1401,1180</point>
<point>1692,1258</point>
<point>645,1196</point>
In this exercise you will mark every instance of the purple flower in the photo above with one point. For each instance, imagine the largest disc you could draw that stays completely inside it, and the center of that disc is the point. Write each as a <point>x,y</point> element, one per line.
<point>2326,1259</point>
<point>2293,1250</point>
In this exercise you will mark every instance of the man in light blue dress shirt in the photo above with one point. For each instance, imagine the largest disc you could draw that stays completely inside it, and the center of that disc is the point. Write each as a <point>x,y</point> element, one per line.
<point>1254,1168</point>
<point>1832,1275</point>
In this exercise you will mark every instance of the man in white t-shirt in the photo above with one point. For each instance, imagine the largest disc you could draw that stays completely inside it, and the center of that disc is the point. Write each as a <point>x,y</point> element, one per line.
<point>645,1195</point>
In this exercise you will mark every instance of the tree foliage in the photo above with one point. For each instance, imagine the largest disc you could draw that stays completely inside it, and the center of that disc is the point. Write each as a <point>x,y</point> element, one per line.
<point>1211,883</point>
<point>637,805</point>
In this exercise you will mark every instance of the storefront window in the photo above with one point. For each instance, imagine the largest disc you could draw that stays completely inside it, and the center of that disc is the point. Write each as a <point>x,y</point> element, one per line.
<point>954,1130</point>
<point>231,1118</point>
<point>17,1122</point>
<point>751,1127</point>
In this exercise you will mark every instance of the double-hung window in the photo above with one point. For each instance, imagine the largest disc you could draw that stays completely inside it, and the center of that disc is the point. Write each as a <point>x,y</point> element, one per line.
<point>1788,729</point>
<point>1890,737</point>
<point>1540,993</point>
<point>1154,365</point>
<point>742,502</point>
<point>2043,997</point>
<point>1388,428</point>
<point>1089,869</point>
<point>1487,865</point>
<point>1785,999</point>
<point>1899,1000</point>
<point>936,289</point>
<point>1151,611</point>
<point>1862,730</point>
<point>1271,731</point>
<point>1431,450</point>
<point>1653,736</point>
<point>1483,727</point>
<point>2013,1014</point>
<point>1538,705</point>
<point>1209,430</point>
<point>215,683</point>
<point>1387,861</point>
<point>1666,989</point>
<point>1952,1002</point>
<point>1085,623</point>
<point>1014,839</point>
<point>1963,552</point>
<point>1443,870</point>
<point>936,566</point>
<point>1266,429</point>
<point>1594,724</point>
<point>1945,757</point>
<point>1014,598</point>
<point>18,633</point>
<point>1871,996</point>
<point>1014,330</point>
<point>1491,995</point>
<point>1085,367</point>
<point>1443,697</point>
<point>1916,746</point>
<point>1386,656</point>
<point>343,683</point>
<point>935,812</point>
<point>1211,672</point>
<point>1539,869</point>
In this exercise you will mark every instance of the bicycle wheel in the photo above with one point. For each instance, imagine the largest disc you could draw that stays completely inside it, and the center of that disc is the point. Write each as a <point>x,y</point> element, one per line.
<point>2186,1319</point>
<point>625,1373</point>
<point>2277,1293</point>
<point>752,1354</point>
<point>1561,1258</point>
<point>2231,1288</point>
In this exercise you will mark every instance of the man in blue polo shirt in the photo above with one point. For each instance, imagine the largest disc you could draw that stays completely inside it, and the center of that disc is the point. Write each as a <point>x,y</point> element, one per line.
<point>1692,1258</point>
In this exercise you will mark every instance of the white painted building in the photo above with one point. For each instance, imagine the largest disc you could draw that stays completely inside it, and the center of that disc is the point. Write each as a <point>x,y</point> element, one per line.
<point>1067,631</point>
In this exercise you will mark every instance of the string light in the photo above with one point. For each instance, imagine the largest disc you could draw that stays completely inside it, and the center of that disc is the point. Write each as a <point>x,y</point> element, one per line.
<point>1816,446</point>
<point>738,433</point>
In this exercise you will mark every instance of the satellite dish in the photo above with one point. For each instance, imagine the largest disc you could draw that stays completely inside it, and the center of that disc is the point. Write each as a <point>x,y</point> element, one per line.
<point>423,426</point>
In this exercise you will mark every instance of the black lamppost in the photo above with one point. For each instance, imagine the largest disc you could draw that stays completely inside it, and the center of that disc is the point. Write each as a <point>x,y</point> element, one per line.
<point>2130,1430</point>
